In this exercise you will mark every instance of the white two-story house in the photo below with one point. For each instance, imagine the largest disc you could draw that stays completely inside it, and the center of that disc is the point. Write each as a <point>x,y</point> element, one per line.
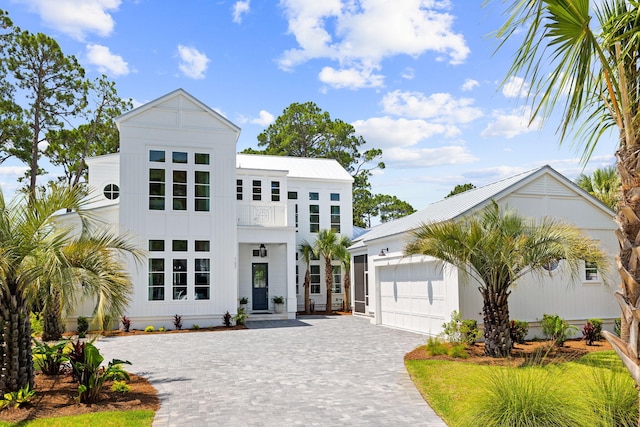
<point>216,226</point>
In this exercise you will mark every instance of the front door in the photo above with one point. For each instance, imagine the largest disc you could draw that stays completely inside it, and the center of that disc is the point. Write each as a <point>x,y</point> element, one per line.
<point>260,285</point>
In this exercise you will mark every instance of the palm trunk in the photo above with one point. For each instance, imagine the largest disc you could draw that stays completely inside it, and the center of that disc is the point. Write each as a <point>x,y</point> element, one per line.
<point>497,339</point>
<point>52,326</point>
<point>328,279</point>
<point>16,363</point>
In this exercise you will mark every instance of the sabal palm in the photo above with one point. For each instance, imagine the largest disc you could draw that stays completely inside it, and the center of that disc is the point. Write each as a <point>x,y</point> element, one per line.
<point>604,184</point>
<point>343,254</point>
<point>35,249</point>
<point>497,248</point>
<point>594,79</point>
<point>307,251</point>
<point>325,246</point>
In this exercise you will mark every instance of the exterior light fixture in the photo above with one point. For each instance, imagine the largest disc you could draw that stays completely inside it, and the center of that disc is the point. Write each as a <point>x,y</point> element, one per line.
<point>383,252</point>
<point>263,250</point>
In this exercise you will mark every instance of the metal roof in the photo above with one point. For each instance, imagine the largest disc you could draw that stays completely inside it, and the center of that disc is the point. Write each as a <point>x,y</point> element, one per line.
<point>297,167</point>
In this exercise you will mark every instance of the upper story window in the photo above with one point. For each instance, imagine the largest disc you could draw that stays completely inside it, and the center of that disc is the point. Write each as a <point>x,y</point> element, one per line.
<point>275,191</point>
<point>335,197</point>
<point>313,196</point>
<point>257,189</point>
<point>179,190</point>
<point>179,157</point>
<point>292,195</point>
<point>156,245</point>
<point>156,156</point>
<point>591,272</point>
<point>201,158</point>
<point>179,245</point>
<point>335,218</point>
<point>156,189</point>
<point>314,218</point>
<point>238,189</point>
<point>111,191</point>
<point>202,246</point>
<point>202,187</point>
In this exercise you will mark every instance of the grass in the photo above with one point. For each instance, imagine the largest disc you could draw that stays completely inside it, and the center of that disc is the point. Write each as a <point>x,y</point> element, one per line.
<point>102,419</point>
<point>594,390</point>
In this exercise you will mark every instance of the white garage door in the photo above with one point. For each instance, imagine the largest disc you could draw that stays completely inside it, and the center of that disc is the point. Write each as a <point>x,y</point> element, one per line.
<point>413,297</point>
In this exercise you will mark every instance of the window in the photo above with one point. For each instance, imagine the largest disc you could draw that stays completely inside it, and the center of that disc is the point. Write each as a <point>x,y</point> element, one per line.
<point>335,197</point>
<point>202,278</point>
<point>156,189</point>
<point>313,196</point>
<point>297,278</point>
<point>238,189</point>
<point>257,189</point>
<point>156,156</point>
<point>201,159</point>
<point>275,191</point>
<point>156,279</point>
<point>202,189</point>
<point>111,191</point>
<point>335,218</point>
<point>179,245</point>
<point>292,195</point>
<point>315,279</point>
<point>296,211</point>
<point>202,246</point>
<point>156,245</point>
<point>179,279</point>
<point>591,271</point>
<point>314,218</point>
<point>179,190</point>
<point>337,279</point>
<point>179,157</point>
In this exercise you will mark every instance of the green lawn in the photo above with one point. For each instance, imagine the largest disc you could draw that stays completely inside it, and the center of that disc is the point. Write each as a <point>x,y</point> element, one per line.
<point>97,419</point>
<point>460,391</point>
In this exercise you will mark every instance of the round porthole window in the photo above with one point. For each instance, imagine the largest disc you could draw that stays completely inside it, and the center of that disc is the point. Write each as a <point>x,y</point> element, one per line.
<point>551,265</point>
<point>111,191</point>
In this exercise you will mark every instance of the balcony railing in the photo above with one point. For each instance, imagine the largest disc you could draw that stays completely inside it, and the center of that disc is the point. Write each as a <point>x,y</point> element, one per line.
<point>262,214</point>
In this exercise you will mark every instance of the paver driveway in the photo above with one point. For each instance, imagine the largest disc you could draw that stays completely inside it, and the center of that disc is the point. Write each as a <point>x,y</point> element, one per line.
<point>322,371</point>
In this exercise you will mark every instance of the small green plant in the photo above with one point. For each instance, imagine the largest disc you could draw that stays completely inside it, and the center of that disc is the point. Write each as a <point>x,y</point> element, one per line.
<point>177,321</point>
<point>17,398</point>
<point>556,329</point>
<point>458,351</point>
<point>461,331</point>
<point>597,325</point>
<point>240,317</point>
<point>227,319</point>
<point>50,357</point>
<point>244,300</point>
<point>161,329</point>
<point>278,300</point>
<point>470,332</point>
<point>83,326</point>
<point>195,326</point>
<point>126,323</point>
<point>435,347</point>
<point>120,387</point>
<point>518,330</point>
<point>149,328</point>
<point>616,327</point>
<point>36,324</point>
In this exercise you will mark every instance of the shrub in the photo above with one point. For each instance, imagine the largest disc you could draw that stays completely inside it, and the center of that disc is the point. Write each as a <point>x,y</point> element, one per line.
<point>589,333</point>
<point>83,326</point>
<point>149,328</point>
<point>50,357</point>
<point>278,300</point>
<point>126,323</point>
<point>461,331</point>
<point>177,321</point>
<point>17,398</point>
<point>470,332</point>
<point>120,387</point>
<point>240,317</point>
<point>458,351</point>
<point>616,327</point>
<point>435,347</point>
<point>518,330</point>
<point>195,326</point>
<point>556,328</point>
<point>36,324</point>
<point>597,325</point>
<point>244,300</point>
<point>161,329</point>
<point>227,319</point>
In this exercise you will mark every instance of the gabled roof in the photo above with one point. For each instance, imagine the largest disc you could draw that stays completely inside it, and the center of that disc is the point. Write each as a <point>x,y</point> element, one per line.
<point>297,167</point>
<point>169,96</point>
<point>464,203</point>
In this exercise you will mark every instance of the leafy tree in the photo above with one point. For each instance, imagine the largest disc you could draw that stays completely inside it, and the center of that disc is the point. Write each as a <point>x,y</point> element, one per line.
<point>35,249</point>
<point>390,207</point>
<point>594,79</point>
<point>460,188</point>
<point>367,206</point>
<point>326,246</point>
<point>496,249</point>
<point>343,254</point>
<point>307,251</point>
<point>604,184</point>
<point>54,87</point>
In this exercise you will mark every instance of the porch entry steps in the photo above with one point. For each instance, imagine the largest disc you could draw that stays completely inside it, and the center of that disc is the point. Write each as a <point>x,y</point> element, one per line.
<point>266,315</point>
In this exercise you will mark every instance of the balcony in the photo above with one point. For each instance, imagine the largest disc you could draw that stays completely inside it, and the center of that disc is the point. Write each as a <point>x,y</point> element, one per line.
<point>262,214</point>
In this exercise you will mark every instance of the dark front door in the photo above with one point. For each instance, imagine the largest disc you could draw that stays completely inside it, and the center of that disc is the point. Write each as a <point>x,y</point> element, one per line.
<point>260,284</point>
<point>361,285</point>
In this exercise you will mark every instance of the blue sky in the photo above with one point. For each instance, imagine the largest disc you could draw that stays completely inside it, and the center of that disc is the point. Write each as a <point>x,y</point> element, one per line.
<point>417,78</point>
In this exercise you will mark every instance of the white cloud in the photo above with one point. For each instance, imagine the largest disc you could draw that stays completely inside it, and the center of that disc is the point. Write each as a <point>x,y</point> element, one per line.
<point>425,157</point>
<point>350,32</point>
<point>469,84</point>
<point>386,132</point>
<point>193,63</point>
<point>264,119</point>
<point>107,62</point>
<point>511,124</point>
<point>440,107</point>
<point>76,18</point>
<point>240,8</point>
<point>350,78</point>
<point>408,73</point>
<point>515,87</point>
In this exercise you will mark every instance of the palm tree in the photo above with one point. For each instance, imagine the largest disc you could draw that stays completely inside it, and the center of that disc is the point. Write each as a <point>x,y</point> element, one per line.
<point>326,245</point>
<point>344,256</point>
<point>594,78</point>
<point>603,184</point>
<point>37,249</point>
<point>497,248</point>
<point>307,251</point>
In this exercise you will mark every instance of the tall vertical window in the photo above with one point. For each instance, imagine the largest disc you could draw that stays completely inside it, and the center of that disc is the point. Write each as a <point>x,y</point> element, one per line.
<point>156,279</point>
<point>201,159</point>
<point>156,189</point>
<point>335,218</point>
<point>297,279</point>
<point>179,279</point>
<point>275,191</point>
<point>314,218</point>
<point>179,190</point>
<point>238,189</point>
<point>591,271</point>
<point>314,196</point>
<point>296,213</point>
<point>257,189</point>
<point>202,278</point>
<point>156,156</point>
<point>315,279</point>
<point>202,189</point>
<point>179,157</point>
<point>337,279</point>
